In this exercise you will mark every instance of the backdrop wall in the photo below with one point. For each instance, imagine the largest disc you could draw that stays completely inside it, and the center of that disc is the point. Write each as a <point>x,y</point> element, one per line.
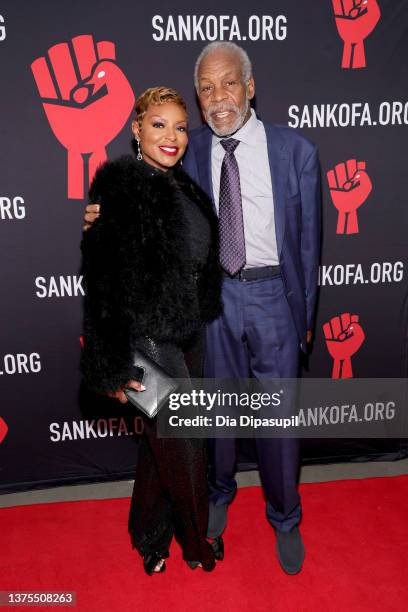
<point>69,73</point>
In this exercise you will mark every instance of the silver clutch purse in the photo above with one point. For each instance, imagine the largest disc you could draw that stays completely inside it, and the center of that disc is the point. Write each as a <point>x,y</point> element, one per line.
<point>159,386</point>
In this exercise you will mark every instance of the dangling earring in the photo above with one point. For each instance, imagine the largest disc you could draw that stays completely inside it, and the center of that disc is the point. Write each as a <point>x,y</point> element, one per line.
<point>139,153</point>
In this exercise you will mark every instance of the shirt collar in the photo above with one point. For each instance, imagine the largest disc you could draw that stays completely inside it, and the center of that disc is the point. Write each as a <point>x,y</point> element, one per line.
<point>247,133</point>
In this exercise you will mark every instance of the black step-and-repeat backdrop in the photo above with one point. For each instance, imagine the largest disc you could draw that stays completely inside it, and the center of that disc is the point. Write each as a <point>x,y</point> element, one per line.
<point>336,71</point>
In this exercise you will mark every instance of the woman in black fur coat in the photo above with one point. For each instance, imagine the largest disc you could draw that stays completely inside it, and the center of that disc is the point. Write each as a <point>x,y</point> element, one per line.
<point>152,281</point>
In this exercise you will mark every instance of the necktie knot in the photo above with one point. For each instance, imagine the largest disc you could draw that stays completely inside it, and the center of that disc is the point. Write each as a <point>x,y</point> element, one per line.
<point>230,144</point>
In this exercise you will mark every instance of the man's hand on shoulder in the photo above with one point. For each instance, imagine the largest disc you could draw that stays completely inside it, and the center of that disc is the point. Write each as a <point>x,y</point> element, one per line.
<point>91,214</point>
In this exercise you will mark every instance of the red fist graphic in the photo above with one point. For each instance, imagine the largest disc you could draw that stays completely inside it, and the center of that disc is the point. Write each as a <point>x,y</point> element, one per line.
<point>349,186</point>
<point>355,20</point>
<point>3,429</point>
<point>344,336</point>
<point>87,100</point>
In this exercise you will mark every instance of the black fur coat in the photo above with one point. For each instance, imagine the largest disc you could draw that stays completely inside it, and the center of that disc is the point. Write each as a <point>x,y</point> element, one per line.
<point>137,268</point>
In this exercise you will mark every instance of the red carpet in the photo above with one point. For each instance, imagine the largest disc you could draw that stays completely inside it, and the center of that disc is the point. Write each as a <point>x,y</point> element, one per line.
<point>355,532</point>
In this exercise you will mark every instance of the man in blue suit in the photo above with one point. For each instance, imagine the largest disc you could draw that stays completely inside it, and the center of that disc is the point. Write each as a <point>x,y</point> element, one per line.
<point>269,243</point>
<point>265,184</point>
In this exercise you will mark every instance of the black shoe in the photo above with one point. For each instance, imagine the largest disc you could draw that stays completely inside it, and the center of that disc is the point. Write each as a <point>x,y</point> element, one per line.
<point>150,562</point>
<point>217,520</point>
<point>218,547</point>
<point>193,564</point>
<point>290,550</point>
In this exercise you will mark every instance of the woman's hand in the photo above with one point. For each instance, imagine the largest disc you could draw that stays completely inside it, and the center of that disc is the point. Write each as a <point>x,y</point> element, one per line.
<point>120,394</point>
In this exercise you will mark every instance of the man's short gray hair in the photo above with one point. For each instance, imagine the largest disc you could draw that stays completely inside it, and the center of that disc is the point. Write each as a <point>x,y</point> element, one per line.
<point>246,66</point>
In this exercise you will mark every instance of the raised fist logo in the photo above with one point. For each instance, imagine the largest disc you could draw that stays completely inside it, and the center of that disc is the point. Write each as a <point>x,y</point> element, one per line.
<point>355,20</point>
<point>87,100</point>
<point>3,429</point>
<point>349,186</point>
<point>344,336</point>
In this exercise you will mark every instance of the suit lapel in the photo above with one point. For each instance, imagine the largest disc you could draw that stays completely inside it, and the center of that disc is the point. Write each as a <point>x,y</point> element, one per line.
<point>203,152</point>
<point>279,166</point>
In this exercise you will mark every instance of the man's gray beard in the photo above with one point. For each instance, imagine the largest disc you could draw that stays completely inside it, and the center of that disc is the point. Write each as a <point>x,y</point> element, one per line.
<point>229,131</point>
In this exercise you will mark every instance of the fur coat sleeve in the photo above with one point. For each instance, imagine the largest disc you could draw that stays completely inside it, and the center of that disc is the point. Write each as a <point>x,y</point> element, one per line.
<point>137,269</point>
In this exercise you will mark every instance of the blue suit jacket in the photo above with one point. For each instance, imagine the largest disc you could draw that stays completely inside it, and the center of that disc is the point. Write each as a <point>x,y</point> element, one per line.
<point>295,172</point>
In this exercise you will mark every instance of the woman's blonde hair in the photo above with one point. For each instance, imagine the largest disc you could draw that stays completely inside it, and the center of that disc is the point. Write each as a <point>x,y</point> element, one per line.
<point>156,95</point>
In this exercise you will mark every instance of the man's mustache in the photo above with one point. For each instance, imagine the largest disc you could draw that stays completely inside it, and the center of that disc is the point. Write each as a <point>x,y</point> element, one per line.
<point>221,108</point>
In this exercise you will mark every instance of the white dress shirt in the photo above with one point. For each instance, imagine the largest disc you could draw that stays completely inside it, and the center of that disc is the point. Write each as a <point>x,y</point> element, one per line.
<point>256,190</point>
